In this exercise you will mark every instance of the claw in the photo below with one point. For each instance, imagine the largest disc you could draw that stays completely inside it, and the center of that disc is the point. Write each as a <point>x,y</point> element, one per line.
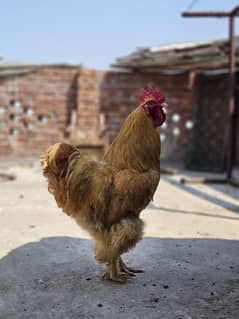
<point>135,271</point>
<point>126,270</point>
<point>115,273</point>
<point>129,270</point>
<point>120,277</point>
<point>105,276</point>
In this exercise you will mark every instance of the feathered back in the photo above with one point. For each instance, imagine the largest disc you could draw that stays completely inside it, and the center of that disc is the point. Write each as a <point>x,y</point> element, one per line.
<point>137,145</point>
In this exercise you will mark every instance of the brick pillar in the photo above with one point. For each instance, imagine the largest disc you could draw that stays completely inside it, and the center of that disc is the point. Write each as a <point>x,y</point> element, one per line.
<point>88,123</point>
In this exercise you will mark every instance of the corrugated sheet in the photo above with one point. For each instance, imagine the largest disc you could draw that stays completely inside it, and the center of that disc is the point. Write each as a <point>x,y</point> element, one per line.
<point>183,56</point>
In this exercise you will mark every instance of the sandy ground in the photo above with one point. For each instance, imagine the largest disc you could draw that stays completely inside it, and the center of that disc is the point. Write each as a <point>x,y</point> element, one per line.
<point>190,254</point>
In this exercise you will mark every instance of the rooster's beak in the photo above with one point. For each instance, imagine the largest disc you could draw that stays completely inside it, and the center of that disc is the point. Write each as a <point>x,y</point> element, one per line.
<point>164,104</point>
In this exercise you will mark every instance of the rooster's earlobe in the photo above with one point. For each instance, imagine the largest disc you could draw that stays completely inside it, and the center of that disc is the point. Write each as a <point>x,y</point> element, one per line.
<point>164,104</point>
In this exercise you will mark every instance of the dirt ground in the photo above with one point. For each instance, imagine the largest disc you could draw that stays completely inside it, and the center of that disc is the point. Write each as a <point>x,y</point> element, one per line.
<point>190,254</point>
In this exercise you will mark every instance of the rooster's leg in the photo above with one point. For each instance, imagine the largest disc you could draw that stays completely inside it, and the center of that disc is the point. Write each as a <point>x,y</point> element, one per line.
<point>128,270</point>
<point>114,272</point>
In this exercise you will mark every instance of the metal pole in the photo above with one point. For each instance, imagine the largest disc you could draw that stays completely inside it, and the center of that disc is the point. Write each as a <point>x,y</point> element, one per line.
<point>232,69</point>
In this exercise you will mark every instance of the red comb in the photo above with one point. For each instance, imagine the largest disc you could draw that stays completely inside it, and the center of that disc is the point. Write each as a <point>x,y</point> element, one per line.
<point>151,93</point>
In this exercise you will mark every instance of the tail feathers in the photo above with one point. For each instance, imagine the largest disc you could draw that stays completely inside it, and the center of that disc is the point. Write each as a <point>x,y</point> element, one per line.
<point>55,162</point>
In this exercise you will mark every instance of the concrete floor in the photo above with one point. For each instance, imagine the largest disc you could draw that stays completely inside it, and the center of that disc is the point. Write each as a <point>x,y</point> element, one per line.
<point>190,254</point>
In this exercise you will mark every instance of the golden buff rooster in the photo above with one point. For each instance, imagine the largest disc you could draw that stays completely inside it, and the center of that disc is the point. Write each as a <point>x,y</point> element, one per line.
<point>106,198</point>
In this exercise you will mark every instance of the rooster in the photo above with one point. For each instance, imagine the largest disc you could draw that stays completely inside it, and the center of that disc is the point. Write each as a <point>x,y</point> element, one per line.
<point>106,198</point>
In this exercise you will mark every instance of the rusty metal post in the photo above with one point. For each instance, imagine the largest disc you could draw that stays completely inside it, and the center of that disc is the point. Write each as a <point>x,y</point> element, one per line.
<point>231,110</point>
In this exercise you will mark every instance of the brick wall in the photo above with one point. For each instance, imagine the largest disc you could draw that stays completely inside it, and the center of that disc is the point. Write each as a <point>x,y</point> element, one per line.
<point>35,109</point>
<point>49,104</point>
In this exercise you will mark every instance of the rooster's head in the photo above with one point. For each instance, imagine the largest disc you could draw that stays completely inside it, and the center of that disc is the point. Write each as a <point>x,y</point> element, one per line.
<point>153,102</point>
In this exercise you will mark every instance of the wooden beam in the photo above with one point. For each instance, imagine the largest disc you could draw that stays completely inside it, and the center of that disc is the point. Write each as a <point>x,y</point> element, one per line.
<point>211,14</point>
<point>206,14</point>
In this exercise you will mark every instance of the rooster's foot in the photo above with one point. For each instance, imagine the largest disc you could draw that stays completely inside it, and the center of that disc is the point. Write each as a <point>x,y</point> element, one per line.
<point>128,270</point>
<point>115,273</point>
<point>120,277</point>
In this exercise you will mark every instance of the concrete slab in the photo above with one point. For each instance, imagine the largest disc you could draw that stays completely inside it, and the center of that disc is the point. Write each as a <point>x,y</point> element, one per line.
<point>190,254</point>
